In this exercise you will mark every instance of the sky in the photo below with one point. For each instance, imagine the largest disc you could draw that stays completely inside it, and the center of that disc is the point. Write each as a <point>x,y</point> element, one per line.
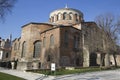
<point>26,11</point>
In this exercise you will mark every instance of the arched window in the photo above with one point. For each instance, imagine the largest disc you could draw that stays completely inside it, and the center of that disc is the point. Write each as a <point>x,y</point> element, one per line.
<point>23,49</point>
<point>52,19</point>
<point>15,46</point>
<point>44,42</point>
<point>70,16</point>
<point>64,16</point>
<point>76,42</point>
<point>76,17</point>
<point>59,16</point>
<point>66,38</point>
<point>56,17</point>
<point>37,49</point>
<point>19,46</point>
<point>7,55</point>
<point>0,43</point>
<point>51,40</point>
<point>48,58</point>
<point>80,18</point>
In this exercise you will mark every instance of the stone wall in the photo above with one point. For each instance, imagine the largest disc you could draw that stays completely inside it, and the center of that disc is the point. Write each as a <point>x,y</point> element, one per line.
<point>50,54</point>
<point>113,61</point>
<point>69,54</point>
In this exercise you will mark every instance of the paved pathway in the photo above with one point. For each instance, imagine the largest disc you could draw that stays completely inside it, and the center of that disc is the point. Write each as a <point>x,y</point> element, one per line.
<point>26,75</point>
<point>102,75</point>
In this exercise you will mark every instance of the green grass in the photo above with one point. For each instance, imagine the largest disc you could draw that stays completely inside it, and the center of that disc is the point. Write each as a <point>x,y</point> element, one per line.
<point>65,72</point>
<point>4,76</point>
<point>75,71</point>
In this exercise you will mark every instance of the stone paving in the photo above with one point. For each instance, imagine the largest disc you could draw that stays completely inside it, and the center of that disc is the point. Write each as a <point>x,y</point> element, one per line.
<point>102,75</point>
<point>26,75</point>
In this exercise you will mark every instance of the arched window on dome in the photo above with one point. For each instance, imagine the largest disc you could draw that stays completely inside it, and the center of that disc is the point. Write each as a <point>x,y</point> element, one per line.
<point>64,16</point>
<point>56,17</point>
<point>76,17</point>
<point>59,16</point>
<point>37,49</point>
<point>52,19</point>
<point>70,16</point>
<point>79,18</point>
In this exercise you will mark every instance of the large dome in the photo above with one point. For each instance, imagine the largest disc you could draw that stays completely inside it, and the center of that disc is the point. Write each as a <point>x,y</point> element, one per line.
<point>66,16</point>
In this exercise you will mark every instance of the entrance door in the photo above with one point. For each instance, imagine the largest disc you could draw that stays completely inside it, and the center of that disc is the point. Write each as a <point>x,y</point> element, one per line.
<point>77,61</point>
<point>93,58</point>
<point>39,65</point>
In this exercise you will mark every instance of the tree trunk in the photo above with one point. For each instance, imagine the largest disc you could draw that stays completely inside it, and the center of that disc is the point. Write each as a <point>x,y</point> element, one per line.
<point>114,56</point>
<point>102,60</point>
<point>107,60</point>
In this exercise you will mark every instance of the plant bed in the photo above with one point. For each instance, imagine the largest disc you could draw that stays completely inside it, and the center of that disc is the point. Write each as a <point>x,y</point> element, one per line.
<point>64,71</point>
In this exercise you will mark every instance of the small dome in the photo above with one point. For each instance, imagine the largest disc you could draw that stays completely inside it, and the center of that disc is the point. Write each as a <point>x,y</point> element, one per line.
<point>66,16</point>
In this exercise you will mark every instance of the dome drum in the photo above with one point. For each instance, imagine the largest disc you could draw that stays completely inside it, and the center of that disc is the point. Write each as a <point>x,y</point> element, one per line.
<point>66,16</point>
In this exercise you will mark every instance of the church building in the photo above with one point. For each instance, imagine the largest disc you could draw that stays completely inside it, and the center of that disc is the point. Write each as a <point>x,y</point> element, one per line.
<point>66,40</point>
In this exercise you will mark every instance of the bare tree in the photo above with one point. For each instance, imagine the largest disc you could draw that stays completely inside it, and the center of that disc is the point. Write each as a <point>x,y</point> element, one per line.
<point>6,7</point>
<point>111,28</point>
<point>51,56</point>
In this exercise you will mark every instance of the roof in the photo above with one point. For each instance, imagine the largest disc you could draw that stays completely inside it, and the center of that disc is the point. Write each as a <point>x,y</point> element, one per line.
<point>68,9</point>
<point>46,23</point>
<point>89,23</point>
<point>59,26</point>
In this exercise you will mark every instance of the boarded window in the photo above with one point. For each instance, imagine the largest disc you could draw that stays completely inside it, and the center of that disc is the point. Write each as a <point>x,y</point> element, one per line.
<point>76,42</point>
<point>44,42</point>
<point>19,46</point>
<point>23,49</point>
<point>15,46</point>
<point>51,40</point>
<point>66,39</point>
<point>37,49</point>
